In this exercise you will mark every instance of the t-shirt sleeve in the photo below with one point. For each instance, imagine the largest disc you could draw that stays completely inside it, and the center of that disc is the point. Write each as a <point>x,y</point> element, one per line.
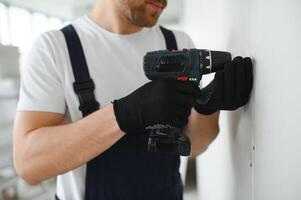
<point>41,88</point>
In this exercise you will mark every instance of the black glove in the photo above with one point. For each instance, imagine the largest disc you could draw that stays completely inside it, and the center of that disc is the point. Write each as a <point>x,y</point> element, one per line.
<point>230,89</point>
<point>157,102</point>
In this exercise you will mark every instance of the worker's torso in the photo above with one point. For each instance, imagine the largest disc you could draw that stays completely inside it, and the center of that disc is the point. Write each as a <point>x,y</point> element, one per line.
<point>126,170</point>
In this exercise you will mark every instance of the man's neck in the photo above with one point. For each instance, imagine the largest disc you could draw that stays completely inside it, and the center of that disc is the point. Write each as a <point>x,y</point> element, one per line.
<point>107,16</point>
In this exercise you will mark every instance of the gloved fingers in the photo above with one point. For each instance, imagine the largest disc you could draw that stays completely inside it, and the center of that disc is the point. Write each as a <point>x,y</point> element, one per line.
<point>229,88</point>
<point>217,96</point>
<point>188,89</point>
<point>249,77</point>
<point>185,101</point>
<point>206,94</point>
<point>183,112</point>
<point>180,122</point>
<point>170,117</point>
<point>240,83</point>
<point>205,109</point>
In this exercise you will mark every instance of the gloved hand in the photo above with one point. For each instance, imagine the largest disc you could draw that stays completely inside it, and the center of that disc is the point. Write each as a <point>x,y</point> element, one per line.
<point>157,102</point>
<point>230,89</point>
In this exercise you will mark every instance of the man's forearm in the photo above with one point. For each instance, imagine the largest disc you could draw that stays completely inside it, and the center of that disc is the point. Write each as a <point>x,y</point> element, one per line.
<point>201,130</point>
<point>50,151</point>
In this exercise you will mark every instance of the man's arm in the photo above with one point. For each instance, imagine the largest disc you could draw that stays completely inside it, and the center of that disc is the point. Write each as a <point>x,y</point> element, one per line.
<point>201,130</point>
<point>45,147</point>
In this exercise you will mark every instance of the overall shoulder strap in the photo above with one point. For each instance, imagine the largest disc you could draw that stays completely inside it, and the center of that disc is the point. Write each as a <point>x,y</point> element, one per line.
<point>83,86</point>
<point>170,39</point>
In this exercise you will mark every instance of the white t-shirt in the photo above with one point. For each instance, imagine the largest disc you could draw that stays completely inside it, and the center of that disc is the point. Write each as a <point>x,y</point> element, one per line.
<point>115,63</point>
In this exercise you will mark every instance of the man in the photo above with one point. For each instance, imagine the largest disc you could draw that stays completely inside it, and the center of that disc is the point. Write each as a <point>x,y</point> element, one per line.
<point>52,139</point>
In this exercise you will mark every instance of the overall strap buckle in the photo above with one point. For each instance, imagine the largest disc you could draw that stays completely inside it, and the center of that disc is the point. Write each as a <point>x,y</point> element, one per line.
<point>85,93</point>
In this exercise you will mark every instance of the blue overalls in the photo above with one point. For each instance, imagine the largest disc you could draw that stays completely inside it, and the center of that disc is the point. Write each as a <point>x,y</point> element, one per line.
<point>126,171</point>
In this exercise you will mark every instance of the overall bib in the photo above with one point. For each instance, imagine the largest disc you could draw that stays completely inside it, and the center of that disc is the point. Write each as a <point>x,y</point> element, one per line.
<point>126,171</point>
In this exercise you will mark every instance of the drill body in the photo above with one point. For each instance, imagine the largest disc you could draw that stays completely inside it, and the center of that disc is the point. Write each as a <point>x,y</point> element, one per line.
<point>186,65</point>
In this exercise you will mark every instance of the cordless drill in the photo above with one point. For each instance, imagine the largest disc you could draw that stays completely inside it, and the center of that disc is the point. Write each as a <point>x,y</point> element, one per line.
<point>186,65</point>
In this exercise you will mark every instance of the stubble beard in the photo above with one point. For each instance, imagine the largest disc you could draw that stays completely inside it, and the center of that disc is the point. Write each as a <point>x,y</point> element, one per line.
<point>136,15</point>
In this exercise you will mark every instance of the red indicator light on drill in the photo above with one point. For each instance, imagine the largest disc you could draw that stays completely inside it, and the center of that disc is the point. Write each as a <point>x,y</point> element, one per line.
<point>182,78</point>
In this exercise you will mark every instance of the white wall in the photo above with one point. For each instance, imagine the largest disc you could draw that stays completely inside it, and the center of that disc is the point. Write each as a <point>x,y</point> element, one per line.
<point>270,32</point>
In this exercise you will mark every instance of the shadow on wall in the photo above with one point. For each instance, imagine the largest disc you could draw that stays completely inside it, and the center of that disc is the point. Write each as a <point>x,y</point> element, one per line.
<point>238,118</point>
<point>240,131</point>
<point>239,124</point>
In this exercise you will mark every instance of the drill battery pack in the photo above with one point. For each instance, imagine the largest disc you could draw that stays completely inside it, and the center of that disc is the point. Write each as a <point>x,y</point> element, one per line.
<point>168,140</point>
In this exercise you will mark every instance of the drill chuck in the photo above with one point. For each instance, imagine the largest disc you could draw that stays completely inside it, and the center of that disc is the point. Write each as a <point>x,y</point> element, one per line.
<point>213,61</point>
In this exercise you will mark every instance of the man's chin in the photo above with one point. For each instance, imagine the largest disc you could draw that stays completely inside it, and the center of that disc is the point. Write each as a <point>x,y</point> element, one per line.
<point>150,23</point>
